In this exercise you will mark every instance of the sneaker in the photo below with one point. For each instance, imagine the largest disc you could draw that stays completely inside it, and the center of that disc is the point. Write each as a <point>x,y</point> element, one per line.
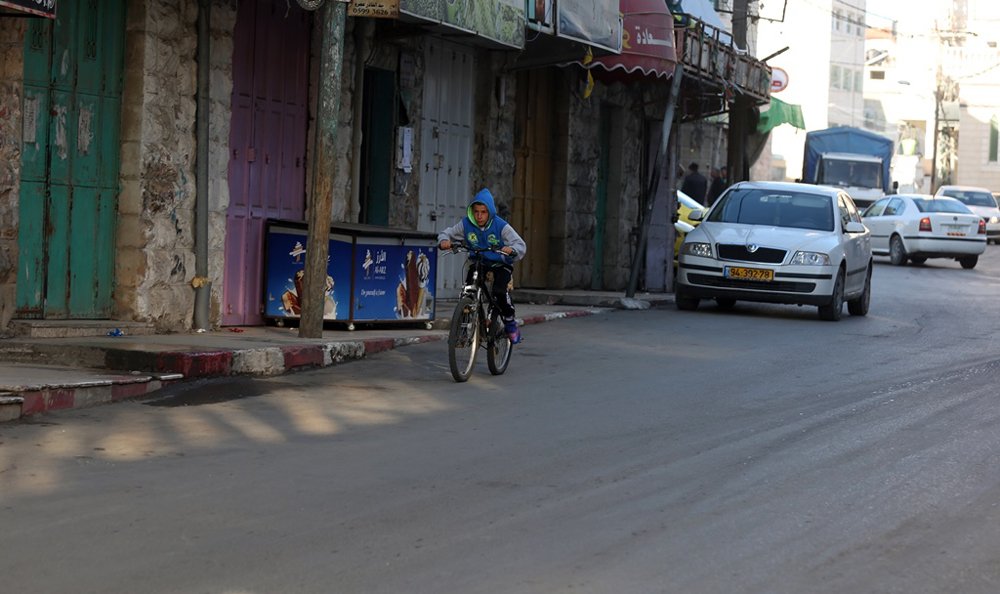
<point>513,332</point>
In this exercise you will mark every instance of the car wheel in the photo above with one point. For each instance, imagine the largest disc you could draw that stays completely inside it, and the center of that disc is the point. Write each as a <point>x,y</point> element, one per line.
<point>725,302</point>
<point>685,302</point>
<point>832,311</point>
<point>897,253</point>
<point>859,306</point>
<point>969,262</point>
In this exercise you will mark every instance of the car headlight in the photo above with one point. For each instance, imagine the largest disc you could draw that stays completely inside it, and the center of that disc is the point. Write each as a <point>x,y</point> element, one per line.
<point>994,220</point>
<point>703,250</point>
<point>810,259</point>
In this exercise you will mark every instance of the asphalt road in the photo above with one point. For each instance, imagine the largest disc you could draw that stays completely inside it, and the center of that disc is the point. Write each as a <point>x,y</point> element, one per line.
<point>754,450</point>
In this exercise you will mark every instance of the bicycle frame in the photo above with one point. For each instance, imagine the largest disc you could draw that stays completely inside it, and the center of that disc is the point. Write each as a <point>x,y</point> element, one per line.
<point>477,321</point>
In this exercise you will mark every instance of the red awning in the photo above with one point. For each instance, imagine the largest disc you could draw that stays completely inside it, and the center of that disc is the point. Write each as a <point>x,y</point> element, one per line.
<point>647,41</point>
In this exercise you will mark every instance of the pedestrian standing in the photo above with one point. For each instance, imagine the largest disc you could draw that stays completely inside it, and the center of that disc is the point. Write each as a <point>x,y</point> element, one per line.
<point>695,185</point>
<point>718,184</point>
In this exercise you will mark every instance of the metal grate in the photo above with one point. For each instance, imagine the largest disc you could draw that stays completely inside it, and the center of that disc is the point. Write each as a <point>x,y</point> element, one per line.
<point>741,253</point>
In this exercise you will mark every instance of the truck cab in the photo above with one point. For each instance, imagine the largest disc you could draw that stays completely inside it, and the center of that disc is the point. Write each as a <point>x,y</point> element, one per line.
<point>858,175</point>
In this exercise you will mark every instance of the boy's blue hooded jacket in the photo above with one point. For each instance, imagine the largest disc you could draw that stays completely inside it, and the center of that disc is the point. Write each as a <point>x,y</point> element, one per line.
<point>497,232</point>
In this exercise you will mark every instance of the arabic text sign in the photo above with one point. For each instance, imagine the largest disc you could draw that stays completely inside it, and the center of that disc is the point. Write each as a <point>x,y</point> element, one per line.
<point>43,8</point>
<point>380,9</point>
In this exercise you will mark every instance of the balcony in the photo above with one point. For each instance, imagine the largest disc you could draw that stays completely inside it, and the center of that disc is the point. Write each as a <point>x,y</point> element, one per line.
<point>717,72</point>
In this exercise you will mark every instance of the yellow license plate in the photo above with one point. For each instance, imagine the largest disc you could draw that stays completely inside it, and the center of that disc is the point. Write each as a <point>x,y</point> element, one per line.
<point>752,274</point>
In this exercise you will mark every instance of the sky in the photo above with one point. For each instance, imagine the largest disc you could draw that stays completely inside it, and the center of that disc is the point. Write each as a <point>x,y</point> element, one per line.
<point>886,10</point>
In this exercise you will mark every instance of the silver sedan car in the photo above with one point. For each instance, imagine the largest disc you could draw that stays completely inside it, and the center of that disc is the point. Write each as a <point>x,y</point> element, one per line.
<point>979,201</point>
<point>780,243</point>
<point>916,227</point>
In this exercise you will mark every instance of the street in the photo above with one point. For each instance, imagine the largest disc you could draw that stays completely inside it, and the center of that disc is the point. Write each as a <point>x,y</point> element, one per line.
<point>752,450</point>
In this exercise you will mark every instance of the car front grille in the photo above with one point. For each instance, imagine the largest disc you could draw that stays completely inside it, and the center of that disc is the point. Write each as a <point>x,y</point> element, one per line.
<point>729,283</point>
<point>729,251</point>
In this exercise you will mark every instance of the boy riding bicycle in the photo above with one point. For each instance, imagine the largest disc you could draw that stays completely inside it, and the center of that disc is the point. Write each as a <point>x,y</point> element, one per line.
<point>483,228</point>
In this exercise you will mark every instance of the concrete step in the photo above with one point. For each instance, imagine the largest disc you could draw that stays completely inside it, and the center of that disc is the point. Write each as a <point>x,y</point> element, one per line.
<point>10,407</point>
<point>28,389</point>
<point>77,328</point>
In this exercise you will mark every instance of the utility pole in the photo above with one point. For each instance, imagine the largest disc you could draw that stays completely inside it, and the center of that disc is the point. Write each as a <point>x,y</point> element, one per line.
<point>313,296</point>
<point>736,154</point>
<point>654,181</point>
<point>937,125</point>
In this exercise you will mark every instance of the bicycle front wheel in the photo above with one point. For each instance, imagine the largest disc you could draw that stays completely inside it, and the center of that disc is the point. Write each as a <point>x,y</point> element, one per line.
<point>463,339</point>
<point>498,346</point>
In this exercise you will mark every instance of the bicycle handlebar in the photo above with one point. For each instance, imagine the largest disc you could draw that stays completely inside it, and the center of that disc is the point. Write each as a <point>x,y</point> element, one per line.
<point>458,246</point>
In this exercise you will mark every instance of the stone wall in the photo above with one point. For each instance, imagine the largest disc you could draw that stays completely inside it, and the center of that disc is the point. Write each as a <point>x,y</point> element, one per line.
<point>155,239</point>
<point>223,23</point>
<point>493,141</point>
<point>11,79</point>
<point>343,155</point>
<point>574,206</point>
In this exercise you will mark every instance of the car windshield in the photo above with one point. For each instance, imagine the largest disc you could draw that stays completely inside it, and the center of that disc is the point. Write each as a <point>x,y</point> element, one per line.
<point>972,197</point>
<point>756,206</point>
<point>860,174</point>
<point>940,205</point>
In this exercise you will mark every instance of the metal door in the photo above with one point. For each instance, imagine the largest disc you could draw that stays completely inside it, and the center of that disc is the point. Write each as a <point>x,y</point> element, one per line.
<point>377,146</point>
<point>267,144</point>
<point>446,149</point>
<point>69,173</point>
<point>533,175</point>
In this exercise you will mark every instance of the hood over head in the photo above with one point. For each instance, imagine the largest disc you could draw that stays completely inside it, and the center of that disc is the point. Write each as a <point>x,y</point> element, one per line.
<point>483,197</point>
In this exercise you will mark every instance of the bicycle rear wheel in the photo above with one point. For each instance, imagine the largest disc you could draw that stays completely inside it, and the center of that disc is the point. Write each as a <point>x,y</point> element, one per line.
<point>463,339</point>
<point>498,346</point>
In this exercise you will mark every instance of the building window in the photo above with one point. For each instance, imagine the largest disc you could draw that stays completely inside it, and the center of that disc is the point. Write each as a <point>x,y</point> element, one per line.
<point>994,139</point>
<point>835,76</point>
<point>858,81</point>
<point>836,20</point>
<point>877,75</point>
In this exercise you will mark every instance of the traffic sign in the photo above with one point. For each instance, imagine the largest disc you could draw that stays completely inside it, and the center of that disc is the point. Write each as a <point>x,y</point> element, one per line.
<point>779,80</point>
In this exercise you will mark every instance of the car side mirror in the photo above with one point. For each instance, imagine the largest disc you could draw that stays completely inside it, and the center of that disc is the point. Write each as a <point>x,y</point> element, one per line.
<point>854,227</point>
<point>697,215</point>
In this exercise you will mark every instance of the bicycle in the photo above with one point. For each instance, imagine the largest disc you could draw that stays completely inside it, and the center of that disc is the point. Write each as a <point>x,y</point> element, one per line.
<point>477,321</point>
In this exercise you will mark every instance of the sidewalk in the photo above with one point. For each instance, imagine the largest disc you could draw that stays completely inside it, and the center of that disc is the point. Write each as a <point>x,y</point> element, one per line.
<point>45,374</point>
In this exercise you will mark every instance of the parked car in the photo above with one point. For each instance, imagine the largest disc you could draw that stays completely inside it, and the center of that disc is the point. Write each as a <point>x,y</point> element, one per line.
<point>778,242</point>
<point>916,227</point>
<point>982,202</point>
<point>685,224</point>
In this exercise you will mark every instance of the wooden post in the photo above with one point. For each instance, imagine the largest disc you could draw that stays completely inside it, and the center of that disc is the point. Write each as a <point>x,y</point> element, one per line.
<point>332,15</point>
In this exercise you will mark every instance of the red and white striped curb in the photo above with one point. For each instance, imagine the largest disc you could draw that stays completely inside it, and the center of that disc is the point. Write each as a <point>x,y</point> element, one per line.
<point>174,366</point>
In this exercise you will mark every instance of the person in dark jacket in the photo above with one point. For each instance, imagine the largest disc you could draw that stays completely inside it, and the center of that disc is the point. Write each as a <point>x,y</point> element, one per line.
<point>718,184</point>
<point>695,185</point>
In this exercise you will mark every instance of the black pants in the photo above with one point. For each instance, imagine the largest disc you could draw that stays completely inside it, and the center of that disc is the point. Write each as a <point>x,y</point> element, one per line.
<point>501,280</point>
